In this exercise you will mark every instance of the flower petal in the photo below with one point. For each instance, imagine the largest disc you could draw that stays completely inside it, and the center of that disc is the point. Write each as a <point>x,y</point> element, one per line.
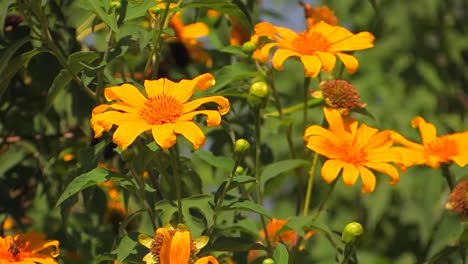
<point>195,30</point>
<point>265,29</point>
<point>127,93</point>
<point>285,35</point>
<point>263,54</point>
<point>149,259</point>
<point>331,168</point>
<point>280,56</point>
<point>380,140</point>
<point>213,117</point>
<point>410,157</point>
<point>368,179</point>
<point>157,87</point>
<point>385,168</point>
<point>180,247</point>
<point>164,252</point>
<point>185,88</point>
<point>223,104</point>
<point>316,130</point>
<point>350,174</point>
<point>332,33</point>
<point>349,62</point>
<point>206,260</point>
<point>145,240</point>
<point>398,138</point>
<point>192,132</point>
<point>365,133</point>
<point>323,146</point>
<point>127,132</point>
<point>383,155</point>
<point>328,60</point>
<point>164,135</point>
<point>427,130</point>
<point>335,122</point>
<point>312,65</point>
<point>362,40</point>
<point>104,121</point>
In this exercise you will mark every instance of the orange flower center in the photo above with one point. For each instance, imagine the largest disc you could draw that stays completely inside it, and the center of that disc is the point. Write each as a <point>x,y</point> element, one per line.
<point>352,154</point>
<point>308,43</point>
<point>443,147</point>
<point>12,253</point>
<point>161,110</point>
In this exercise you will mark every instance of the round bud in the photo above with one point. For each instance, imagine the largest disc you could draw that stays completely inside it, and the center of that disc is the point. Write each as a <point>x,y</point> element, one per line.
<point>154,10</point>
<point>259,89</point>
<point>241,147</point>
<point>239,170</point>
<point>248,47</point>
<point>268,261</point>
<point>115,4</point>
<point>351,232</point>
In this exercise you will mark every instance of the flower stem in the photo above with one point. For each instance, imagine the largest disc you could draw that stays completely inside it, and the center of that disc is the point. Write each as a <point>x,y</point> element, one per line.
<point>305,102</point>
<point>448,176</point>
<point>177,181</point>
<point>310,184</point>
<point>322,205</point>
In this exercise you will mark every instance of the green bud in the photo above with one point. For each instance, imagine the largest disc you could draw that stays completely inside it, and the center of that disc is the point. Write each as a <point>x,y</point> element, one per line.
<point>258,94</point>
<point>181,227</point>
<point>351,232</point>
<point>239,170</point>
<point>248,47</point>
<point>128,154</point>
<point>155,10</point>
<point>268,261</point>
<point>115,4</point>
<point>241,147</point>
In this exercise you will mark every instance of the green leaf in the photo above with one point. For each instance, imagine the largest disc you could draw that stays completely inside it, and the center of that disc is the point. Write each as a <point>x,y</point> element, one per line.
<point>10,51</point>
<point>10,158</point>
<point>233,72</point>
<point>235,9</point>
<point>99,8</point>
<point>305,223</point>
<point>14,66</point>
<point>4,6</point>
<point>63,78</point>
<point>98,175</point>
<point>281,254</point>
<point>249,206</point>
<point>236,50</point>
<point>138,9</point>
<point>430,74</point>
<point>126,247</point>
<point>272,170</point>
<point>223,163</point>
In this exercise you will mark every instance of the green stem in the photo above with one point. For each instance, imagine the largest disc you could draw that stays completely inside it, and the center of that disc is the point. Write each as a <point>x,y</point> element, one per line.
<point>322,205</point>
<point>448,176</point>
<point>348,252</point>
<point>305,102</point>
<point>140,188</point>
<point>310,184</point>
<point>177,180</point>
<point>157,40</point>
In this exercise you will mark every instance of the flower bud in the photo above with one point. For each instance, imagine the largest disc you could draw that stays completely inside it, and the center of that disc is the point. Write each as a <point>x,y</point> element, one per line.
<point>241,147</point>
<point>268,261</point>
<point>248,47</point>
<point>351,232</point>
<point>340,94</point>
<point>458,200</point>
<point>155,10</point>
<point>115,4</point>
<point>258,94</point>
<point>239,170</point>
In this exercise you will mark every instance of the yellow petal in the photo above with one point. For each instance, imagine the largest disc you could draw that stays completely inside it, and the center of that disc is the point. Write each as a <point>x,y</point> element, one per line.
<point>145,240</point>
<point>192,132</point>
<point>127,132</point>
<point>328,60</point>
<point>164,135</point>
<point>335,122</point>
<point>285,34</point>
<point>359,41</point>
<point>322,146</point>
<point>365,133</point>
<point>350,174</point>
<point>195,30</point>
<point>316,130</point>
<point>368,179</point>
<point>149,259</point>
<point>312,65</point>
<point>398,138</point>
<point>164,252</point>
<point>461,159</point>
<point>380,140</point>
<point>157,87</point>
<point>427,130</point>
<point>264,54</point>
<point>383,155</point>
<point>99,109</point>
<point>349,62</point>
<point>385,168</point>
<point>332,33</point>
<point>127,93</point>
<point>180,247</point>
<point>213,118</point>
<point>264,29</point>
<point>104,121</point>
<point>122,106</point>
<point>184,89</point>
<point>223,104</point>
<point>206,260</point>
<point>280,56</point>
<point>330,169</point>
<point>410,157</point>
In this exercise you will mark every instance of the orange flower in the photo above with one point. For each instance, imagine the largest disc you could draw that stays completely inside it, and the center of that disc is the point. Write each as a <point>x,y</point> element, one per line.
<point>165,111</point>
<point>317,48</point>
<point>272,228</point>
<point>171,246</point>
<point>28,248</point>
<point>434,150</point>
<point>315,14</point>
<point>239,33</point>
<point>188,34</point>
<point>352,149</point>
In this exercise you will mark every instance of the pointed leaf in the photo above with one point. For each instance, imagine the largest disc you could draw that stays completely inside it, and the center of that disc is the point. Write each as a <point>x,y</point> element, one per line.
<point>281,254</point>
<point>272,170</point>
<point>250,206</point>
<point>99,8</point>
<point>223,163</point>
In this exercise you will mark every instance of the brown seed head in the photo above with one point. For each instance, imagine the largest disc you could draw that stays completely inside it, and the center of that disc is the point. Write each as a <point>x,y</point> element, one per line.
<point>458,200</point>
<point>340,94</point>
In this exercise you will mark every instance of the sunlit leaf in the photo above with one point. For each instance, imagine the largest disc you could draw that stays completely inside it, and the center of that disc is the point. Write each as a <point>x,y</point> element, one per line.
<point>272,170</point>
<point>223,163</point>
<point>281,254</point>
<point>100,8</point>
<point>249,206</point>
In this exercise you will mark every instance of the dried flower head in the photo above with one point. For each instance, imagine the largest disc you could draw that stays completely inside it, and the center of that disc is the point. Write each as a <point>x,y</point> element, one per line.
<point>339,94</point>
<point>458,200</point>
<point>313,15</point>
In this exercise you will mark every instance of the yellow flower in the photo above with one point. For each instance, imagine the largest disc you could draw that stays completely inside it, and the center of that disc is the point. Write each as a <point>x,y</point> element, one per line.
<point>352,149</point>
<point>188,34</point>
<point>434,150</point>
<point>164,111</point>
<point>171,246</point>
<point>28,248</point>
<point>317,48</point>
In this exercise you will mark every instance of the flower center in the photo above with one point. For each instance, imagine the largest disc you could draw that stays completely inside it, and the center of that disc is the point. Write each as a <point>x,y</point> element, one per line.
<point>13,252</point>
<point>161,110</point>
<point>443,147</point>
<point>308,43</point>
<point>352,154</point>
